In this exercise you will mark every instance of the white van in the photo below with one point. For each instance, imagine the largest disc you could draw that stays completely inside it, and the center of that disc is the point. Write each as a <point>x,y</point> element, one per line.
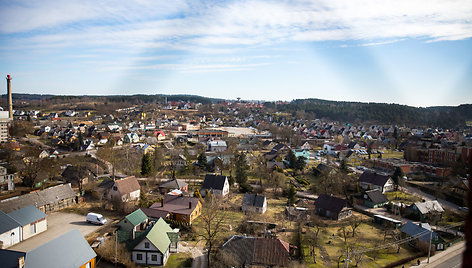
<point>96,218</point>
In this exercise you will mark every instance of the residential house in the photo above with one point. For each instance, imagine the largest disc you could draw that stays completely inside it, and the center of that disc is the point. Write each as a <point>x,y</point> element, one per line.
<point>430,211</point>
<point>179,161</point>
<point>160,135</point>
<point>423,233</point>
<point>332,207</point>
<point>154,246</point>
<point>131,138</point>
<point>216,146</point>
<point>131,224</point>
<point>306,146</point>
<point>372,180</point>
<point>32,221</point>
<point>302,153</point>
<point>10,231</point>
<point>77,175</point>
<point>68,250</point>
<point>50,199</point>
<point>7,181</point>
<point>177,208</point>
<point>257,251</point>
<point>322,169</point>
<point>271,165</point>
<point>126,189</point>
<point>173,184</point>
<point>217,185</point>
<point>254,203</point>
<point>374,199</point>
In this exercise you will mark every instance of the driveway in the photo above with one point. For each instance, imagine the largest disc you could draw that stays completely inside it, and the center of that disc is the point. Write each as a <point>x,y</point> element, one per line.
<point>58,224</point>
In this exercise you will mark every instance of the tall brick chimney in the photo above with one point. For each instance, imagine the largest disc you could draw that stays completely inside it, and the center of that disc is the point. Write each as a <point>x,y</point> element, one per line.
<point>10,102</point>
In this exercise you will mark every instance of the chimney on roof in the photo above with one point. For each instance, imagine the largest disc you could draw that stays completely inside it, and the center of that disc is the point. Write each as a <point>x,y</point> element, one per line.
<point>189,204</point>
<point>162,202</point>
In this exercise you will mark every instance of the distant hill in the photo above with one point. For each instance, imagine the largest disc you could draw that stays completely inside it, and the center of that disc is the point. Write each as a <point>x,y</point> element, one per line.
<point>380,113</point>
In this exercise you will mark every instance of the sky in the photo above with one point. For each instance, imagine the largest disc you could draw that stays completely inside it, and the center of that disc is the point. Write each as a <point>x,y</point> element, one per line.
<point>412,52</point>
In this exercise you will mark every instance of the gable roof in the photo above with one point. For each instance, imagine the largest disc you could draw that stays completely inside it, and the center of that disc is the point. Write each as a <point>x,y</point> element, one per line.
<point>68,250</point>
<point>27,215</point>
<point>40,198</point>
<point>173,184</point>
<point>213,181</point>
<point>373,178</point>
<point>331,203</point>
<point>157,235</point>
<point>154,213</point>
<point>376,196</point>
<point>136,217</point>
<point>429,206</point>
<point>7,223</point>
<point>421,229</point>
<point>127,185</point>
<point>257,251</point>
<point>10,258</point>
<point>253,200</point>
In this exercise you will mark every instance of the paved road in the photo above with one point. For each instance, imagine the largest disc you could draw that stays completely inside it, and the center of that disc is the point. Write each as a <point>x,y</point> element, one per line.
<point>454,262</point>
<point>428,197</point>
<point>450,258</point>
<point>58,224</point>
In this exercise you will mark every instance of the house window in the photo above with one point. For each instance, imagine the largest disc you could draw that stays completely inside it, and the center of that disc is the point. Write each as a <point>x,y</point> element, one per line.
<point>88,265</point>
<point>139,257</point>
<point>115,188</point>
<point>146,244</point>
<point>154,257</point>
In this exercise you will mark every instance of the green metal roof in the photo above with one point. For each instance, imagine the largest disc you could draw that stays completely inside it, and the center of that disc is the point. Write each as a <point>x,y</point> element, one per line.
<point>158,235</point>
<point>136,217</point>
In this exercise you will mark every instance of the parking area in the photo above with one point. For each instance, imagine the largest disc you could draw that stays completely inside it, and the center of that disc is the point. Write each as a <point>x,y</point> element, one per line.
<point>58,223</point>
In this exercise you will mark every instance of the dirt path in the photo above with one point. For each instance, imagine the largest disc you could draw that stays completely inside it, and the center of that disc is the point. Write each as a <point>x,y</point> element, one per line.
<point>324,256</point>
<point>197,251</point>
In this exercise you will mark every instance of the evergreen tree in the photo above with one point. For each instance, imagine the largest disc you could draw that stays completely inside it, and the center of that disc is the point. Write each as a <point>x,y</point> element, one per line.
<point>300,163</point>
<point>146,165</point>
<point>143,200</point>
<point>397,177</point>
<point>241,168</point>
<point>291,158</point>
<point>202,160</point>
<point>291,195</point>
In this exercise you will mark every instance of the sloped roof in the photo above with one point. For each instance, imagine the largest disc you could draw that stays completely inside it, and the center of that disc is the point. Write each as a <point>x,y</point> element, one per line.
<point>127,185</point>
<point>429,206</point>
<point>27,215</point>
<point>173,184</point>
<point>7,223</point>
<point>157,235</point>
<point>68,250</point>
<point>213,181</point>
<point>376,196</point>
<point>136,217</point>
<point>40,198</point>
<point>373,178</point>
<point>177,204</point>
<point>154,213</point>
<point>253,200</point>
<point>331,203</point>
<point>413,229</point>
<point>258,251</point>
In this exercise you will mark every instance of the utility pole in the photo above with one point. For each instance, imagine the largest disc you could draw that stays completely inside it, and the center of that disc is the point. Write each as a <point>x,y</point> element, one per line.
<point>347,259</point>
<point>430,238</point>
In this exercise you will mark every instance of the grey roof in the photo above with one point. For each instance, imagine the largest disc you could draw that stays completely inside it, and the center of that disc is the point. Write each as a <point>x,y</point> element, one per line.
<point>331,203</point>
<point>173,184</point>
<point>27,215</point>
<point>429,206</point>
<point>68,250</point>
<point>10,258</point>
<point>7,223</point>
<point>413,229</point>
<point>212,181</point>
<point>253,200</point>
<point>376,196</point>
<point>38,199</point>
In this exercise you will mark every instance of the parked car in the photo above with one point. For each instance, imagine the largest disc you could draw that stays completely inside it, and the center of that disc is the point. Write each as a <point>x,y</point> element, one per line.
<point>96,218</point>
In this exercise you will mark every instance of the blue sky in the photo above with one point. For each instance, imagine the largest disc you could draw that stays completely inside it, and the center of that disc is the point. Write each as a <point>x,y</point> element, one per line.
<point>414,52</point>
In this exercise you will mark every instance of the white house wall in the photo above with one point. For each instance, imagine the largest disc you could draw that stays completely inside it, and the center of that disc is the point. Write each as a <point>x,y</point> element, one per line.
<point>11,237</point>
<point>40,227</point>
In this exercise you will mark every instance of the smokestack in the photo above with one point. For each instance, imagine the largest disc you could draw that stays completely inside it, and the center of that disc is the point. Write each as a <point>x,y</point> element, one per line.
<point>10,103</point>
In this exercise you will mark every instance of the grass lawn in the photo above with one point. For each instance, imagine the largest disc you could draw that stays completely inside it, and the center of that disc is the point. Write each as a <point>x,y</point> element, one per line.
<point>398,196</point>
<point>179,260</point>
<point>367,236</point>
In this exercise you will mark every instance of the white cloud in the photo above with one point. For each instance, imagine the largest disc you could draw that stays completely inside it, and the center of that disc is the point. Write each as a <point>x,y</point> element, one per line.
<point>225,26</point>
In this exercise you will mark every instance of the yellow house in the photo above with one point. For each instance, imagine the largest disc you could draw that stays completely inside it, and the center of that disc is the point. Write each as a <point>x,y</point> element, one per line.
<point>179,208</point>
